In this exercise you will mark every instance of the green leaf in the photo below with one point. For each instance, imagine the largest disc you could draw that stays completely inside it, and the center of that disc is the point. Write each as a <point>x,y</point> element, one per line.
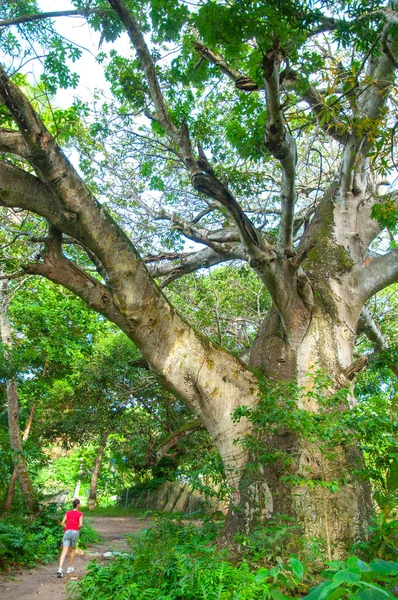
<point>297,567</point>
<point>372,592</point>
<point>384,567</point>
<point>320,591</point>
<point>392,476</point>
<point>347,576</point>
<point>337,593</point>
<point>261,575</point>
<point>277,595</point>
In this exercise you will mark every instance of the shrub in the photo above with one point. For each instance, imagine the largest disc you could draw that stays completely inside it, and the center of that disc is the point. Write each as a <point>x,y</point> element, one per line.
<point>354,578</point>
<point>26,544</point>
<point>174,562</point>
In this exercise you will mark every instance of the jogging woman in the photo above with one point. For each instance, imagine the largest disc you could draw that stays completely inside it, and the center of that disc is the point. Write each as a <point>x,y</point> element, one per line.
<point>71,523</point>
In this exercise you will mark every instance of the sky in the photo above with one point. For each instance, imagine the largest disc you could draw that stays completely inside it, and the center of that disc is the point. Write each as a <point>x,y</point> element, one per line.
<point>91,74</point>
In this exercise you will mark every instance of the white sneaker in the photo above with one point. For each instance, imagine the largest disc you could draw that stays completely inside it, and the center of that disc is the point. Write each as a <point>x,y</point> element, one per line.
<point>70,570</point>
<point>60,573</point>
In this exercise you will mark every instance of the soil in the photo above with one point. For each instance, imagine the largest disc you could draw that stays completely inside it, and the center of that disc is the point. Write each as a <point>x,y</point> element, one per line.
<point>43,581</point>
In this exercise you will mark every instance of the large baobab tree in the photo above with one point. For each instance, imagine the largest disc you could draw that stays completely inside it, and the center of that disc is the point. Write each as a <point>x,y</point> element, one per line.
<point>268,132</point>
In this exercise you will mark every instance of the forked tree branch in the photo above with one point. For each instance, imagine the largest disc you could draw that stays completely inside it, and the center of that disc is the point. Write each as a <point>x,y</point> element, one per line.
<point>204,182</point>
<point>175,437</point>
<point>59,269</point>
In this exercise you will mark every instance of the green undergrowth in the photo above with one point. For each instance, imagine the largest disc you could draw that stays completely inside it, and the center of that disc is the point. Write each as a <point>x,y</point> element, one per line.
<point>172,561</point>
<point>25,543</point>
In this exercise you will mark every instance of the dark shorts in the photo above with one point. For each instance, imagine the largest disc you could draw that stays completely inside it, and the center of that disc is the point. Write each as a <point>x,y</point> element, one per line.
<point>70,538</point>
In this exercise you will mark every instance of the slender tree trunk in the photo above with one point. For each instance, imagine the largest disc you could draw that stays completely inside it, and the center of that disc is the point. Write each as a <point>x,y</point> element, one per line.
<point>92,497</point>
<point>79,481</point>
<point>11,487</point>
<point>25,482</point>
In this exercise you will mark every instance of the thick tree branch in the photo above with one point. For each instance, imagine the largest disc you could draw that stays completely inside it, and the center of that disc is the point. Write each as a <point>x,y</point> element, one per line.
<point>281,145</point>
<point>376,274</point>
<point>203,259</point>
<point>175,438</point>
<point>367,325</point>
<point>331,126</point>
<point>58,269</point>
<point>241,81</point>
<point>211,186</point>
<point>12,142</point>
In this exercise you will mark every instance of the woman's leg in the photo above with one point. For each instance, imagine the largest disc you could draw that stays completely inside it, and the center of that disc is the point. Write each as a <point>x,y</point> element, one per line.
<point>71,556</point>
<point>63,555</point>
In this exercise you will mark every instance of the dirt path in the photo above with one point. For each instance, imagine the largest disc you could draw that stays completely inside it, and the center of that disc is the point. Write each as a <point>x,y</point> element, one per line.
<point>42,581</point>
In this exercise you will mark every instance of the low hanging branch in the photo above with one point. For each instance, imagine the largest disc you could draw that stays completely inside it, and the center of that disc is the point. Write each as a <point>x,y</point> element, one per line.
<point>175,437</point>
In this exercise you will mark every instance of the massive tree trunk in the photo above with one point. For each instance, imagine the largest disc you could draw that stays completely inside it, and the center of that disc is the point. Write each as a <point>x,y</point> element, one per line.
<point>301,486</point>
<point>21,468</point>
<point>92,496</point>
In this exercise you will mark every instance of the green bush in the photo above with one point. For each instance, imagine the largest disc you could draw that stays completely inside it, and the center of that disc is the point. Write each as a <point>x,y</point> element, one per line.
<point>277,541</point>
<point>88,536</point>
<point>26,544</point>
<point>175,562</point>
<point>356,579</point>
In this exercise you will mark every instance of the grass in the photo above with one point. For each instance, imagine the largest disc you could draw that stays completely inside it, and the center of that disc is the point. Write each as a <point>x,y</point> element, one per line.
<point>120,511</point>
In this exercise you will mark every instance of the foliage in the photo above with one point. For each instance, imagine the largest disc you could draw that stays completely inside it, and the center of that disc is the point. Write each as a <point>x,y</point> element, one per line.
<point>27,543</point>
<point>284,406</point>
<point>227,304</point>
<point>279,540</point>
<point>88,536</point>
<point>383,533</point>
<point>354,578</point>
<point>172,561</point>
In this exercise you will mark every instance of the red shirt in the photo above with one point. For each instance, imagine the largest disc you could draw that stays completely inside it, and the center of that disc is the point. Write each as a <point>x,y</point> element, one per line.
<point>72,519</point>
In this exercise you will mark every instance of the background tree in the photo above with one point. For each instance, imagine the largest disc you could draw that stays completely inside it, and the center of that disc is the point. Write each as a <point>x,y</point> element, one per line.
<point>274,128</point>
<point>20,465</point>
<point>52,333</point>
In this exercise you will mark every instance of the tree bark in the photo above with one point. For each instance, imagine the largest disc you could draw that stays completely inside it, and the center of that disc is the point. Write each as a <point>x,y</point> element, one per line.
<point>92,497</point>
<point>11,487</point>
<point>21,468</point>
<point>299,488</point>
